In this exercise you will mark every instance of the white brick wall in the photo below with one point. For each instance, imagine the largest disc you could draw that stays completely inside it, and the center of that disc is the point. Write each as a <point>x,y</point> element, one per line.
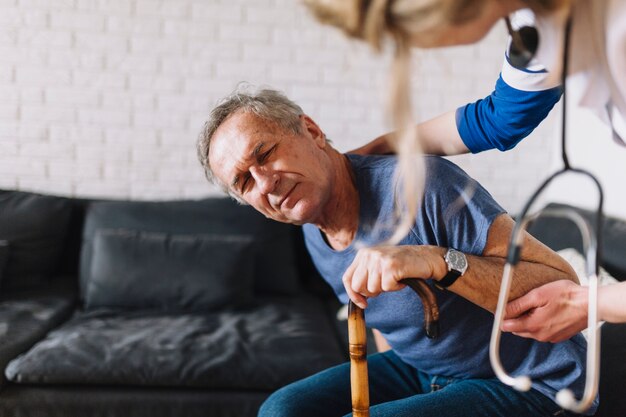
<point>106,97</point>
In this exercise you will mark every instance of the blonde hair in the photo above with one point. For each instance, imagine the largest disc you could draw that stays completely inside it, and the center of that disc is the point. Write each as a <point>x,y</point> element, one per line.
<point>374,20</point>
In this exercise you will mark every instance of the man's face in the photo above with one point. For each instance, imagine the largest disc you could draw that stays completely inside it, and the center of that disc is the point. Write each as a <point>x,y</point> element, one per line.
<point>283,175</point>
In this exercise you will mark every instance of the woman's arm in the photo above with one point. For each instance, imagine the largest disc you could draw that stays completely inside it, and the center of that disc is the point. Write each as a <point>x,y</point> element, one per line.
<point>438,136</point>
<point>557,311</point>
<point>611,304</point>
<point>519,102</point>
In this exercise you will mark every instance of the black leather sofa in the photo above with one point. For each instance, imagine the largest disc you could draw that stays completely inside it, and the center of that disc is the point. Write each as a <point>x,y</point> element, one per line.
<point>182,308</point>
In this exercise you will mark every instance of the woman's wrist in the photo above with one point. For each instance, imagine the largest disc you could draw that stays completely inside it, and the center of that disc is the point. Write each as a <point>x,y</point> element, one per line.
<point>579,298</point>
<point>610,303</point>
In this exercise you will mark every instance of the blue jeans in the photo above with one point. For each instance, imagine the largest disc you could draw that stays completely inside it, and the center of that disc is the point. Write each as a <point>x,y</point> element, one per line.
<point>398,390</point>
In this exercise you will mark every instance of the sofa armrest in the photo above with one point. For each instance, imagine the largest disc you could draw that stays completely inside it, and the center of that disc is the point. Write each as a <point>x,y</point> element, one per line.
<point>27,316</point>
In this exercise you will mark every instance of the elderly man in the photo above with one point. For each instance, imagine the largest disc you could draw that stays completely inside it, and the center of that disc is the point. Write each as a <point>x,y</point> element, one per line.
<point>263,150</point>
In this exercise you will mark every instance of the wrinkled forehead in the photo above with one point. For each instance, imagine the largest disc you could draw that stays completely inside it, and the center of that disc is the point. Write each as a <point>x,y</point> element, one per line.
<point>234,141</point>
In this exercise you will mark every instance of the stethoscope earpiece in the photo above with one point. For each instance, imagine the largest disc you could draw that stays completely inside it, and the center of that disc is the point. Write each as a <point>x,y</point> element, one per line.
<point>524,44</point>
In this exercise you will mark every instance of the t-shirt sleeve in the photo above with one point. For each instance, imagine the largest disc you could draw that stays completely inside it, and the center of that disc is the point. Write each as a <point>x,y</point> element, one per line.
<point>457,211</point>
<point>521,99</point>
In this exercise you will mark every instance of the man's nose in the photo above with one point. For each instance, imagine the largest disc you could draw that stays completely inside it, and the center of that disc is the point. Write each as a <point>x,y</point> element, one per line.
<point>266,179</point>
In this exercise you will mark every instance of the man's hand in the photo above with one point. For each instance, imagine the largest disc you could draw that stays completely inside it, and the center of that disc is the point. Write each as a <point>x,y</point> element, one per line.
<point>551,313</point>
<point>380,269</point>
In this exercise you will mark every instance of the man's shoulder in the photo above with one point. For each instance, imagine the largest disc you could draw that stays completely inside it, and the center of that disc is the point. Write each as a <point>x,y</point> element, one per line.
<point>382,162</point>
<point>378,171</point>
<point>435,165</point>
<point>372,162</point>
<point>378,183</point>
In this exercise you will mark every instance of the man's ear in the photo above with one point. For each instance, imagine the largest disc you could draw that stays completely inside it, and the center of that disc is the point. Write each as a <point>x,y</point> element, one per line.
<point>314,130</point>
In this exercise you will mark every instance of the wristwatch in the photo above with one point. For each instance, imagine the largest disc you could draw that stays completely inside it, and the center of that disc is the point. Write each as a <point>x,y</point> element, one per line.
<point>457,265</point>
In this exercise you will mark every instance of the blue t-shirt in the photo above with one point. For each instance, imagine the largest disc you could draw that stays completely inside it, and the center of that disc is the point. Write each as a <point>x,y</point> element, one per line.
<point>456,212</point>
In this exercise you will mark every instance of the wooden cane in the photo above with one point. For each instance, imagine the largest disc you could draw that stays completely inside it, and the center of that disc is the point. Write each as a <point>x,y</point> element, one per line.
<point>357,339</point>
<point>429,303</point>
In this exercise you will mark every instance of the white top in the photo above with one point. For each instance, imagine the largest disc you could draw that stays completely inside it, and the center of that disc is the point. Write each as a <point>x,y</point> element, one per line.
<point>597,67</point>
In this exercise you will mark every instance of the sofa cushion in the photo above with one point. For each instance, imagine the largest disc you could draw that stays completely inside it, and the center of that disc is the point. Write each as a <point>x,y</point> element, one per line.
<point>263,347</point>
<point>35,227</point>
<point>4,257</point>
<point>138,270</point>
<point>275,261</point>
<point>27,316</point>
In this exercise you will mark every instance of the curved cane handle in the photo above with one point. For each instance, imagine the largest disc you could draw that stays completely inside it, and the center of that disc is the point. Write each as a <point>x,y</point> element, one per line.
<point>357,339</point>
<point>429,300</point>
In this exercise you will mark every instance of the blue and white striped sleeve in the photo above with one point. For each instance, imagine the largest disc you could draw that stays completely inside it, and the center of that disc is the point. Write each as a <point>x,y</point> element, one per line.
<point>522,98</point>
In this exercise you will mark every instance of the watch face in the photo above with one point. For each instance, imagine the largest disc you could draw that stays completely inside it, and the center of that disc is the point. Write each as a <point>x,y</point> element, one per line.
<point>457,260</point>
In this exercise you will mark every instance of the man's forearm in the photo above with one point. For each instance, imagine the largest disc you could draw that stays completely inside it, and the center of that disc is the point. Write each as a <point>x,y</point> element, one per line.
<point>379,269</point>
<point>481,282</point>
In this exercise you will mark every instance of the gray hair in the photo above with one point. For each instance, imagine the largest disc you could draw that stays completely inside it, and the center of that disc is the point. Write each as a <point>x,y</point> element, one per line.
<point>267,104</point>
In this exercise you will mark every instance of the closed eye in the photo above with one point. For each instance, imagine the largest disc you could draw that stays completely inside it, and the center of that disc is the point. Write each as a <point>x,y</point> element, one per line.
<point>263,157</point>
<point>246,182</point>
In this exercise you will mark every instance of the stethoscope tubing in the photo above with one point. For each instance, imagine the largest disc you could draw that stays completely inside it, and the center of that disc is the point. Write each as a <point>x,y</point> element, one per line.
<point>592,250</point>
<point>591,247</point>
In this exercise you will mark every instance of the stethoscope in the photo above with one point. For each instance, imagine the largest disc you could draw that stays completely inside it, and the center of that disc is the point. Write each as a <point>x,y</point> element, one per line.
<point>524,43</point>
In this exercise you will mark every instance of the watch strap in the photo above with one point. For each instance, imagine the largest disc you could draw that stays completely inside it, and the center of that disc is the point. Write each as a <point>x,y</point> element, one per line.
<point>449,279</point>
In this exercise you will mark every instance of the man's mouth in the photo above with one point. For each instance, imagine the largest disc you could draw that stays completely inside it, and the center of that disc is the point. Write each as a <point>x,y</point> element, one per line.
<point>286,196</point>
